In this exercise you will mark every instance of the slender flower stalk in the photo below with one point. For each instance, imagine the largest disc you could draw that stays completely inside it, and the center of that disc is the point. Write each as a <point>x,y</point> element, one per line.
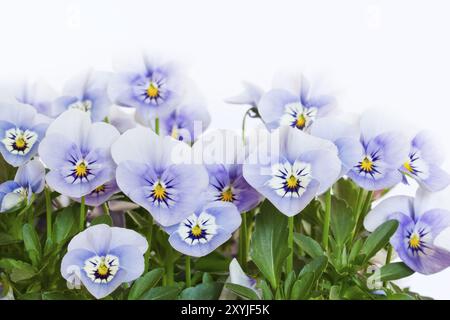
<point>149,236</point>
<point>326,222</point>
<point>48,207</point>
<point>359,204</point>
<point>290,259</point>
<point>157,126</point>
<point>388,258</point>
<point>82,213</point>
<point>243,236</point>
<point>105,208</point>
<point>188,271</point>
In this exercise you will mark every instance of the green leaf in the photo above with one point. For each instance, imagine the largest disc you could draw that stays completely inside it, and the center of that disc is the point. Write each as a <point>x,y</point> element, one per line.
<point>346,190</point>
<point>395,271</point>
<point>309,245</point>
<point>356,247</point>
<point>213,262</point>
<point>19,270</point>
<point>162,293</point>
<point>378,239</point>
<point>302,287</point>
<point>316,266</point>
<point>289,282</point>
<point>208,290</point>
<point>266,291</point>
<point>32,244</point>
<point>145,283</point>
<point>268,245</point>
<point>64,224</point>
<point>103,219</point>
<point>242,291</point>
<point>6,239</point>
<point>342,221</point>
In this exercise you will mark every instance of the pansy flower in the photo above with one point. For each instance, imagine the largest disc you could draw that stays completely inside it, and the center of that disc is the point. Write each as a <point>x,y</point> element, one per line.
<point>224,154</point>
<point>156,172</point>
<point>86,92</point>
<point>344,135</point>
<point>296,104</point>
<point>101,194</point>
<point>77,152</point>
<point>154,89</point>
<point>205,229</point>
<point>103,258</point>
<point>186,123</point>
<point>421,223</point>
<point>382,153</point>
<point>250,95</point>
<point>37,94</point>
<point>21,131</point>
<point>29,180</point>
<point>423,163</point>
<point>295,172</point>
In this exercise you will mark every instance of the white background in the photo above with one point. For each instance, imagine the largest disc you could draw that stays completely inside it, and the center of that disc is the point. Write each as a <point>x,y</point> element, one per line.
<point>392,55</point>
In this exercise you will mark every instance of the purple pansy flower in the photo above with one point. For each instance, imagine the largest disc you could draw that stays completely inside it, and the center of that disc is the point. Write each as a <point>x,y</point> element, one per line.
<point>226,182</point>
<point>103,258</point>
<point>21,131</point>
<point>29,180</point>
<point>295,103</point>
<point>186,123</point>
<point>423,163</point>
<point>101,194</point>
<point>37,94</point>
<point>86,92</point>
<point>77,152</point>
<point>154,89</point>
<point>344,135</point>
<point>205,229</point>
<point>156,172</point>
<point>382,153</point>
<point>420,224</point>
<point>290,177</point>
<point>250,95</point>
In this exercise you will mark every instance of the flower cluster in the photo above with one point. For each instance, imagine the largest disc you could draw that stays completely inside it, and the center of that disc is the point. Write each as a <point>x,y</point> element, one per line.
<point>130,176</point>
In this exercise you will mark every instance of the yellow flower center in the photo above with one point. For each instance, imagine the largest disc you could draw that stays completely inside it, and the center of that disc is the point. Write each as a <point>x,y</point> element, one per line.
<point>20,142</point>
<point>159,192</point>
<point>414,241</point>
<point>292,182</point>
<point>174,133</point>
<point>227,195</point>
<point>81,169</point>
<point>407,166</point>
<point>196,230</point>
<point>152,90</point>
<point>367,165</point>
<point>301,121</point>
<point>102,269</point>
<point>100,189</point>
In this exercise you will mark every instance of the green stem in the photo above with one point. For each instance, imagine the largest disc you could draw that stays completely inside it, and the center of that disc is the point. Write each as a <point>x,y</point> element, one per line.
<point>326,222</point>
<point>290,259</point>
<point>105,208</point>
<point>149,236</point>
<point>169,268</point>
<point>30,215</point>
<point>359,203</point>
<point>48,208</point>
<point>188,271</point>
<point>243,124</point>
<point>157,126</point>
<point>365,207</point>
<point>243,242</point>
<point>82,213</point>
<point>388,259</point>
